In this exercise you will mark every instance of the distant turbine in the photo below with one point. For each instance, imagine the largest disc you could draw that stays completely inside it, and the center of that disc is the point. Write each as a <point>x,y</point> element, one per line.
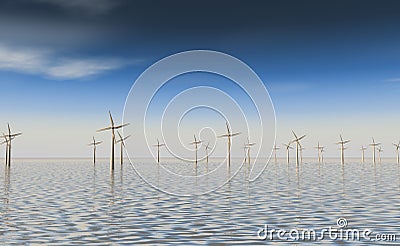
<point>94,144</point>
<point>342,148</point>
<point>379,153</point>
<point>322,155</point>
<point>363,153</point>
<point>373,144</point>
<point>397,151</point>
<point>288,147</point>
<point>9,137</point>
<point>249,145</point>
<point>275,149</point>
<point>301,154</point>
<point>319,148</point>
<point>121,140</point>
<point>158,145</point>
<point>195,142</point>
<point>207,148</point>
<point>112,127</point>
<point>229,135</point>
<point>298,146</point>
<point>245,152</point>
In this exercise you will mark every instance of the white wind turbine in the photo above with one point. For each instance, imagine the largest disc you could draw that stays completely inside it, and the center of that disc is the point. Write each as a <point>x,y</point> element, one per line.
<point>397,151</point>
<point>374,145</point>
<point>275,149</point>
<point>342,148</point>
<point>229,135</point>
<point>112,127</point>
<point>298,145</point>
<point>363,153</point>
<point>288,148</point>
<point>94,144</point>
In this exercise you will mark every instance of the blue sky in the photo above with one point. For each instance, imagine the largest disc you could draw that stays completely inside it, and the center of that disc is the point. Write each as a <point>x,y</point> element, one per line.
<point>330,67</point>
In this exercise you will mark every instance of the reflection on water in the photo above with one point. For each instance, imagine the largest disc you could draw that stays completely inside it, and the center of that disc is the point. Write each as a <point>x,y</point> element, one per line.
<point>56,202</point>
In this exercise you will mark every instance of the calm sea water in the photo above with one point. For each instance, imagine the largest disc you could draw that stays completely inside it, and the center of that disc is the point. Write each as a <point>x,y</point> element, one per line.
<point>60,202</point>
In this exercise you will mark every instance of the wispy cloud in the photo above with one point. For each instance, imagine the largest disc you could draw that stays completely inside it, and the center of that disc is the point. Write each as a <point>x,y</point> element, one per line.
<point>87,6</point>
<point>46,63</point>
<point>392,80</point>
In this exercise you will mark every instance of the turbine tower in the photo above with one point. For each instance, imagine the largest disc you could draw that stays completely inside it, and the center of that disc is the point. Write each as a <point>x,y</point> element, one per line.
<point>288,147</point>
<point>380,150</point>
<point>275,149</point>
<point>245,152</point>
<point>94,144</point>
<point>301,153</point>
<point>158,145</point>
<point>112,127</point>
<point>229,135</point>
<point>397,151</point>
<point>207,147</point>
<point>121,140</point>
<point>298,146</point>
<point>249,145</point>
<point>363,153</point>
<point>373,145</point>
<point>196,143</point>
<point>342,148</point>
<point>5,142</point>
<point>319,148</point>
<point>9,137</point>
<point>322,155</point>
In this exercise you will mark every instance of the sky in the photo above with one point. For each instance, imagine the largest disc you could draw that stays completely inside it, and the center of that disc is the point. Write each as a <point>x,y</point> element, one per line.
<point>330,67</point>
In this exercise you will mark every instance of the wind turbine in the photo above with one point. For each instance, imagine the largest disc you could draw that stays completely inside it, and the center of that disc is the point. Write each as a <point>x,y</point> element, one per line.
<point>397,151</point>
<point>342,148</point>
<point>373,144</point>
<point>158,145</point>
<point>94,144</point>
<point>322,155</point>
<point>195,142</point>
<point>363,153</point>
<point>122,141</point>
<point>112,127</point>
<point>275,149</point>
<point>5,142</point>
<point>301,153</point>
<point>379,153</point>
<point>288,147</point>
<point>207,147</point>
<point>9,137</point>
<point>245,152</point>
<point>248,145</point>
<point>319,148</point>
<point>298,145</point>
<point>229,135</point>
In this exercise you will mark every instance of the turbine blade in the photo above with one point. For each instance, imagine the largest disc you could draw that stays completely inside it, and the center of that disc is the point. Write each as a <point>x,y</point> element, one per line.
<point>15,134</point>
<point>119,135</point>
<point>111,118</point>
<point>227,127</point>
<point>235,134</point>
<point>120,126</point>
<point>104,129</point>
